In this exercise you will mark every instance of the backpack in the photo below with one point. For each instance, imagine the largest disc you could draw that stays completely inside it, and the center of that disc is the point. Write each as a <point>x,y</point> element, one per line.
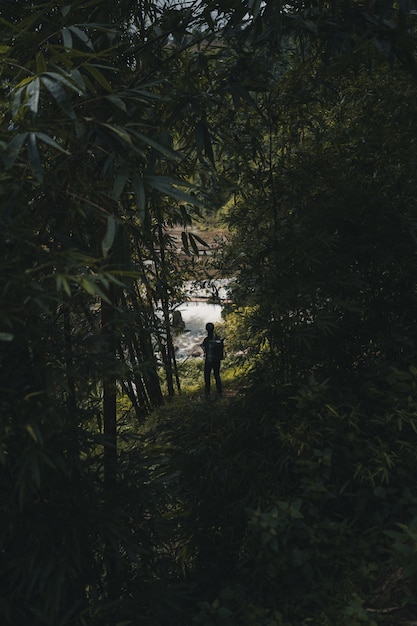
<point>215,350</point>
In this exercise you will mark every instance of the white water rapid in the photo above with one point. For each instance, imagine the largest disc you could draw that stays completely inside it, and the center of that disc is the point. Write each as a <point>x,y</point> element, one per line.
<point>195,315</point>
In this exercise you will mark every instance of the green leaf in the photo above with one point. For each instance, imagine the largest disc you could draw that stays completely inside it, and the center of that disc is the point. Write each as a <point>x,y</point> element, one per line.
<point>13,149</point>
<point>6,337</point>
<point>65,9</point>
<point>120,132</point>
<point>165,150</point>
<point>139,191</point>
<point>82,36</point>
<point>120,184</point>
<point>203,243</point>
<point>32,93</point>
<point>184,238</point>
<point>34,157</point>
<point>40,63</point>
<point>66,38</point>
<point>59,95</point>
<point>203,141</point>
<point>118,102</point>
<point>63,80</point>
<point>169,186</point>
<point>78,80</point>
<point>194,244</point>
<point>62,282</point>
<point>51,142</point>
<point>34,435</point>
<point>91,286</point>
<point>108,238</point>
<point>99,77</point>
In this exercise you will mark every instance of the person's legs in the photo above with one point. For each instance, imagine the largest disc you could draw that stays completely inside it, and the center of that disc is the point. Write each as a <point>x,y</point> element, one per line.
<point>216,372</point>
<point>207,373</point>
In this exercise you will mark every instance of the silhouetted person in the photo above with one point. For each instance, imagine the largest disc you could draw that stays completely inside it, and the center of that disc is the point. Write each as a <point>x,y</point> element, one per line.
<point>213,351</point>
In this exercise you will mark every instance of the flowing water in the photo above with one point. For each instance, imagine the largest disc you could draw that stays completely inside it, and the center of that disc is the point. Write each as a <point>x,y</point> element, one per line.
<point>195,315</point>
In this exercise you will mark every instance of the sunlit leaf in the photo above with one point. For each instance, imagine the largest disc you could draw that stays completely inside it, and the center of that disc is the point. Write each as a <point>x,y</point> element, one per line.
<point>62,283</point>
<point>91,286</point>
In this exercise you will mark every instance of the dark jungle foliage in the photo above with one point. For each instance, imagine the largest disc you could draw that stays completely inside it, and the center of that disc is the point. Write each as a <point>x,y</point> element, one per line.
<point>295,503</point>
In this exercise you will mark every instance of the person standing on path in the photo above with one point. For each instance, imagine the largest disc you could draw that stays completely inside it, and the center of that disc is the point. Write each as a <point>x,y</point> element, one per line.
<point>214,353</point>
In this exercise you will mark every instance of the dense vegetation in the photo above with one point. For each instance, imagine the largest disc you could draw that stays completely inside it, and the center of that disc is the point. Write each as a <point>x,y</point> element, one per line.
<point>127,500</point>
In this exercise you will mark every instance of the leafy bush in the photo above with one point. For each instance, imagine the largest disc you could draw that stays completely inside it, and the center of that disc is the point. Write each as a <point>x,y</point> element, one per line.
<point>288,495</point>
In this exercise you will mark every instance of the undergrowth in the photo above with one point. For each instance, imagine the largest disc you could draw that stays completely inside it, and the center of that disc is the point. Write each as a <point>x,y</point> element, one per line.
<point>289,505</point>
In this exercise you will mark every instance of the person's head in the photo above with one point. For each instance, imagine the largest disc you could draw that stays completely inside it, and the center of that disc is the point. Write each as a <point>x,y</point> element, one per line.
<point>210,328</point>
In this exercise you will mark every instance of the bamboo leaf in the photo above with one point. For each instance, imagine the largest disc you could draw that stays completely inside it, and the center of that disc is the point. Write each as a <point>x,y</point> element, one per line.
<point>78,80</point>
<point>165,150</point>
<point>120,184</point>
<point>185,245</point>
<point>203,243</point>
<point>82,36</point>
<point>6,337</point>
<point>40,63</point>
<point>120,132</point>
<point>63,80</point>
<point>32,93</point>
<point>17,102</point>
<point>139,191</point>
<point>66,286</point>
<point>169,187</point>
<point>99,77</point>
<point>51,142</point>
<point>32,433</point>
<point>91,286</point>
<point>59,95</point>
<point>194,244</point>
<point>66,38</point>
<point>62,283</point>
<point>13,150</point>
<point>118,102</point>
<point>108,238</point>
<point>34,157</point>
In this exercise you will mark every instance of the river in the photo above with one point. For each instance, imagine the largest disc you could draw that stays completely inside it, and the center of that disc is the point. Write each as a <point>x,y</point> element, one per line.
<point>195,314</point>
